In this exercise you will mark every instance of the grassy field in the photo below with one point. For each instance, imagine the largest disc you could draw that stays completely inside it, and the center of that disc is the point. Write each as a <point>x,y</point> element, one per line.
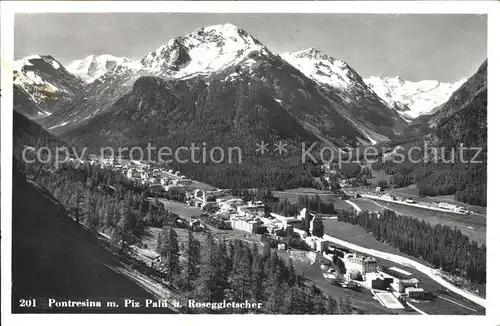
<point>367,205</point>
<point>360,299</point>
<point>192,186</point>
<point>474,226</point>
<point>409,191</point>
<point>412,191</point>
<point>293,194</point>
<point>357,235</point>
<point>181,209</point>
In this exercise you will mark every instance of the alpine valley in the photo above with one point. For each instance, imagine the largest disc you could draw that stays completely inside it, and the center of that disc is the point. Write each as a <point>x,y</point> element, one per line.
<point>220,86</point>
<point>274,203</point>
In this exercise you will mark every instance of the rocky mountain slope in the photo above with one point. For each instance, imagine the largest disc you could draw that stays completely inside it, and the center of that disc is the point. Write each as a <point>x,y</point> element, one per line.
<point>47,85</point>
<point>362,107</point>
<point>226,52</point>
<point>460,120</point>
<point>463,118</point>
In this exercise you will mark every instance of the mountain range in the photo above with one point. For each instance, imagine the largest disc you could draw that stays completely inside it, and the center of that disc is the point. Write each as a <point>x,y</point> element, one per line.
<point>94,66</point>
<point>339,114</point>
<point>222,86</point>
<point>412,99</point>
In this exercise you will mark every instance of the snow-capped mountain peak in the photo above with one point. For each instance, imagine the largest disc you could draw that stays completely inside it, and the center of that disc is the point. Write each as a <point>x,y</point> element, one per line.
<point>205,50</point>
<point>94,66</point>
<point>45,80</point>
<point>412,99</point>
<point>29,61</point>
<point>313,53</point>
<point>322,68</point>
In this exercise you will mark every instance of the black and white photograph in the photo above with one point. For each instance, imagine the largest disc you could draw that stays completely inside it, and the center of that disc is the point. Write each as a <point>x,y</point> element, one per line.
<point>242,162</point>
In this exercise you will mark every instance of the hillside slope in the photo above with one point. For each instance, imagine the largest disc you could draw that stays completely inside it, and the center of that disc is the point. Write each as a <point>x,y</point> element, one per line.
<point>54,257</point>
<point>462,120</point>
<point>362,107</point>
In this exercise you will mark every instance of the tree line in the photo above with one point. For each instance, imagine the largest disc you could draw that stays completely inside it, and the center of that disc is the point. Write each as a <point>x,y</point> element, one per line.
<point>440,245</point>
<point>215,270</point>
<point>212,270</point>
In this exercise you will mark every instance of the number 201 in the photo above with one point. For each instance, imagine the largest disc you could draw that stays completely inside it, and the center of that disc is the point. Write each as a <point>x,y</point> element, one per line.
<point>27,303</point>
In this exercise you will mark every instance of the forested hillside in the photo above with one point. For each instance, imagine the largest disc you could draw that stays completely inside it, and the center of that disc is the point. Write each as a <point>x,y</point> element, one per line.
<point>54,257</point>
<point>442,169</point>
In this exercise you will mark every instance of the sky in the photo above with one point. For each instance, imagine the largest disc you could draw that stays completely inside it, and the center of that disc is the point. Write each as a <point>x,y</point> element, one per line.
<point>444,47</point>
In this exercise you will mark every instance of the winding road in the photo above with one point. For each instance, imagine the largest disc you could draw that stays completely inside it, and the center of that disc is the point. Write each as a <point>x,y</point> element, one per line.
<point>431,272</point>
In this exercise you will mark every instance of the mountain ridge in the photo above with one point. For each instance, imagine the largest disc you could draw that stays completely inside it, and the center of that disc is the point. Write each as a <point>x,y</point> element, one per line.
<point>412,99</point>
<point>94,66</point>
<point>214,49</point>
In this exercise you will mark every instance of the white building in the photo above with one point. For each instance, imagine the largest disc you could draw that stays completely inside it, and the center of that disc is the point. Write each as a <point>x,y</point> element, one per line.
<point>252,207</point>
<point>244,224</point>
<point>229,205</point>
<point>389,197</point>
<point>322,245</point>
<point>400,285</point>
<point>108,160</point>
<point>311,242</point>
<point>363,264</point>
<point>133,174</point>
<point>415,293</point>
<point>305,212</point>
<point>451,207</point>
<point>317,244</point>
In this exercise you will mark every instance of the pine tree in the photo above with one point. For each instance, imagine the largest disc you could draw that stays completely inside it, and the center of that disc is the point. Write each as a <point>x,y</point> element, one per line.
<point>292,277</point>
<point>242,275</point>
<point>122,225</point>
<point>331,306</point>
<point>212,281</point>
<point>169,251</point>
<point>193,260</point>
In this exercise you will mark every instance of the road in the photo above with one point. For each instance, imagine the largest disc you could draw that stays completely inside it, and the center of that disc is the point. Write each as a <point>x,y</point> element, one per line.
<point>431,272</point>
<point>356,207</point>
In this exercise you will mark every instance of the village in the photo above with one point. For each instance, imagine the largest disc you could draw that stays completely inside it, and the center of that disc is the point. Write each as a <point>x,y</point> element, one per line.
<point>392,287</point>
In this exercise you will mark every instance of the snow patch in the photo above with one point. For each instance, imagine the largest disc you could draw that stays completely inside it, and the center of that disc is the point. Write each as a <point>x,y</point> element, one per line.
<point>412,99</point>
<point>210,49</point>
<point>93,67</point>
<point>323,69</point>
